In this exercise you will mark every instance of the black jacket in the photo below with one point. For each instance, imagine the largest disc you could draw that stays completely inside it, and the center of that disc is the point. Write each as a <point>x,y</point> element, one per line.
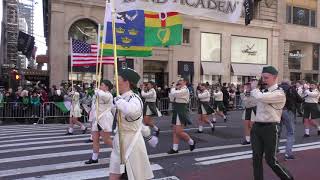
<point>292,97</point>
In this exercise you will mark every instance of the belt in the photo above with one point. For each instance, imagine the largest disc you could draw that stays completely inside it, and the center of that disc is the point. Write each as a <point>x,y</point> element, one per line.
<point>265,123</point>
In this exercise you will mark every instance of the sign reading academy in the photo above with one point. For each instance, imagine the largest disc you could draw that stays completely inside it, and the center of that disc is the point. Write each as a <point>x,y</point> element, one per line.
<point>221,10</point>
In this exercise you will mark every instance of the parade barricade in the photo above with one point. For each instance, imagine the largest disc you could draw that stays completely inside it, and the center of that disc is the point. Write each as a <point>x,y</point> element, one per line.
<point>18,110</point>
<point>164,104</point>
<point>58,110</point>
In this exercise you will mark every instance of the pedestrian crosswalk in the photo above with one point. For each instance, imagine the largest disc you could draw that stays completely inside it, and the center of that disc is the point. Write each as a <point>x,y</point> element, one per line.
<point>44,152</point>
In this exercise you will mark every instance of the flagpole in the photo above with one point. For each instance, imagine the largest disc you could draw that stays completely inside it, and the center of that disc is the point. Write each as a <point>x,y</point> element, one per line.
<point>115,57</point>
<point>71,57</point>
<point>98,51</point>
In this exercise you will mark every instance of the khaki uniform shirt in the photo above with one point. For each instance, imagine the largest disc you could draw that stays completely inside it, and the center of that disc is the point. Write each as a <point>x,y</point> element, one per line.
<point>150,95</point>
<point>269,104</point>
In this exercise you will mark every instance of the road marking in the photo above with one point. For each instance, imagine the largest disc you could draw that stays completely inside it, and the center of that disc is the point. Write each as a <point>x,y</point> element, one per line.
<point>168,178</point>
<point>87,174</point>
<point>190,129</point>
<point>51,155</point>
<point>43,147</point>
<point>62,136</point>
<point>32,135</point>
<point>51,167</point>
<point>248,154</point>
<point>44,142</point>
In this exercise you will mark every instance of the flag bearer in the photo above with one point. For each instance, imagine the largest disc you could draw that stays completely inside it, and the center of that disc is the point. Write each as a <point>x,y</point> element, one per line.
<point>102,126</point>
<point>204,109</point>
<point>264,133</point>
<point>130,106</point>
<point>75,112</point>
<point>180,116</point>
<point>150,109</point>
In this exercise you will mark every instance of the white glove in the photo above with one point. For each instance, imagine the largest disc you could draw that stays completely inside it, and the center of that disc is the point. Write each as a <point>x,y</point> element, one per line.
<point>153,141</point>
<point>117,98</point>
<point>254,84</point>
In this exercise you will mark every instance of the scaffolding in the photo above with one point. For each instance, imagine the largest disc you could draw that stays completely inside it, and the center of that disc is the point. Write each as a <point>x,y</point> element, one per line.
<point>12,31</point>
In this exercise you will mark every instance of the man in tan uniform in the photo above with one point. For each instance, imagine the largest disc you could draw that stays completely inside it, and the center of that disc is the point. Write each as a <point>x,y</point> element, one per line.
<point>264,133</point>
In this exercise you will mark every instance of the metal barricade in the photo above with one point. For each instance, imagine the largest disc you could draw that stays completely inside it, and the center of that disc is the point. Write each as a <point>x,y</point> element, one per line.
<point>164,104</point>
<point>193,103</point>
<point>18,110</point>
<point>51,110</point>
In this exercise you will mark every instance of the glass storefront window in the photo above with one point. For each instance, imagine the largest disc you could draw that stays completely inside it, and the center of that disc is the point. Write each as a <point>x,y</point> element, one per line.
<point>210,47</point>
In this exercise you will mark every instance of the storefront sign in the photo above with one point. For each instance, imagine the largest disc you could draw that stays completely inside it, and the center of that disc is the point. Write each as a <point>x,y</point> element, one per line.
<point>249,50</point>
<point>296,54</point>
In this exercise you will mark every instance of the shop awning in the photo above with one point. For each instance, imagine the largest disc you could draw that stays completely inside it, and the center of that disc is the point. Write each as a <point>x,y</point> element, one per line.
<point>212,68</point>
<point>247,69</point>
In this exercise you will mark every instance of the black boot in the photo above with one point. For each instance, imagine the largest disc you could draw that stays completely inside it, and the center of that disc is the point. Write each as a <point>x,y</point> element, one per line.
<point>91,161</point>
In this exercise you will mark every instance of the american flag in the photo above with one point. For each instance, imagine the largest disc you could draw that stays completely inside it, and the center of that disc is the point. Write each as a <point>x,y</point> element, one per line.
<point>84,54</point>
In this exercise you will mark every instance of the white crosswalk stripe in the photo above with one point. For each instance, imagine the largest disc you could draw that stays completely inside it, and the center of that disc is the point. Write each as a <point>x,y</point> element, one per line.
<point>44,153</point>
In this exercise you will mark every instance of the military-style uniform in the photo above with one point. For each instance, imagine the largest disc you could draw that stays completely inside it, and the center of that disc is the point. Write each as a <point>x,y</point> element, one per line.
<point>250,105</point>
<point>218,100</point>
<point>150,107</point>
<point>75,110</point>
<point>310,106</point>
<point>264,133</point>
<point>180,113</point>
<point>105,118</point>
<point>204,103</point>
<point>137,163</point>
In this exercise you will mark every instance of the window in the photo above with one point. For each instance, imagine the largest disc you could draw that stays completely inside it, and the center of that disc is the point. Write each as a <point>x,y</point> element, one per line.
<point>301,16</point>
<point>186,36</point>
<point>210,47</point>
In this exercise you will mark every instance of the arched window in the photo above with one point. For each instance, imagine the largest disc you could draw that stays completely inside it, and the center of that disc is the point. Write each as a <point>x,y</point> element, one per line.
<point>84,30</point>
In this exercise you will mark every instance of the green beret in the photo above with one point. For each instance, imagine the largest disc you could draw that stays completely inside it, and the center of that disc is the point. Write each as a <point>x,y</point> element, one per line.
<point>107,83</point>
<point>130,75</point>
<point>270,70</point>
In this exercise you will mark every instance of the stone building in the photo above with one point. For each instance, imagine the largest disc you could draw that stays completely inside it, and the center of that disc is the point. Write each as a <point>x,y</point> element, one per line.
<point>284,34</point>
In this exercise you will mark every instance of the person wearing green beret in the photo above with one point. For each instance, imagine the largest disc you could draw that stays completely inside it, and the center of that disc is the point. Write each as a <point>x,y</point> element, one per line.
<point>150,108</point>
<point>264,132</point>
<point>180,116</point>
<point>102,119</point>
<point>311,96</point>
<point>130,107</point>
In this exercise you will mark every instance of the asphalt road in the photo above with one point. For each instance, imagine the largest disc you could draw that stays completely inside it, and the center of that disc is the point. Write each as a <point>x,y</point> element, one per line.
<point>43,152</point>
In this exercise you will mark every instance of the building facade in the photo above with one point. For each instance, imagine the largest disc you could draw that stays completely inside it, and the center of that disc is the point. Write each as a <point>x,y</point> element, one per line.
<point>211,51</point>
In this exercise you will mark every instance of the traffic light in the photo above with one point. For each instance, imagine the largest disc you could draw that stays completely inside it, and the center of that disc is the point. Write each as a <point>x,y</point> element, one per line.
<point>18,77</point>
<point>15,75</point>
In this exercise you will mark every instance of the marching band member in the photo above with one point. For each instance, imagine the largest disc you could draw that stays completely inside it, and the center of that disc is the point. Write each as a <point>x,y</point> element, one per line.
<point>204,108</point>
<point>180,116</point>
<point>101,126</point>
<point>249,112</point>
<point>130,106</point>
<point>311,95</point>
<point>218,101</point>
<point>149,108</point>
<point>75,112</point>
